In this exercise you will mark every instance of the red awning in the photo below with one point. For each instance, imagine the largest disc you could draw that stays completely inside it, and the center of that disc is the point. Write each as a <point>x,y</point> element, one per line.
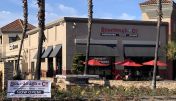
<point>151,63</point>
<point>94,62</point>
<point>128,63</point>
<point>120,62</point>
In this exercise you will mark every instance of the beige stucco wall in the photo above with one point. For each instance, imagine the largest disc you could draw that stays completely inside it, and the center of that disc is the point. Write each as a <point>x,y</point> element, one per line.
<point>54,35</point>
<point>14,52</point>
<point>168,15</point>
<point>1,66</point>
<point>10,51</point>
<point>2,71</point>
<point>146,18</point>
<point>5,40</point>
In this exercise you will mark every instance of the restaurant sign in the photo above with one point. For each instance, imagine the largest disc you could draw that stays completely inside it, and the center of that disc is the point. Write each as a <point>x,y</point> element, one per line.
<point>29,88</point>
<point>104,60</point>
<point>121,32</point>
<point>13,46</point>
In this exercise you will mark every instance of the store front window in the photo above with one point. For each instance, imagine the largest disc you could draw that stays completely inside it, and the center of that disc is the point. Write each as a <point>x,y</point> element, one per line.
<point>139,73</point>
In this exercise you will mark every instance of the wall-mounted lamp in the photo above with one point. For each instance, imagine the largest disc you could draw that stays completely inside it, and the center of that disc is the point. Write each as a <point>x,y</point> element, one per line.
<point>74,25</point>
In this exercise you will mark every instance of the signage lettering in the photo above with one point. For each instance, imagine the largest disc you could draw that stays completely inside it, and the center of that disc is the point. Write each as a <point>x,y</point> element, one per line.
<point>104,60</point>
<point>121,32</point>
<point>118,30</point>
<point>29,92</point>
<point>13,47</point>
<point>29,88</point>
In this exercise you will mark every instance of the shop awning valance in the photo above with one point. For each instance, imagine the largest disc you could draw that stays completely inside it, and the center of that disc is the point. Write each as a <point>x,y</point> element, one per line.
<point>47,52</point>
<point>12,35</point>
<point>98,49</point>
<point>140,51</point>
<point>55,51</point>
<point>35,56</point>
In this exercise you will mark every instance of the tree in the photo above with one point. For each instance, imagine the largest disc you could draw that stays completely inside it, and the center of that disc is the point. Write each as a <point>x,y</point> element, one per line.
<point>25,23</point>
<point>157,44</point>
<point>90,12</point>
<point>171,50</point>
<point>41,25</point>
<point>78,66</point>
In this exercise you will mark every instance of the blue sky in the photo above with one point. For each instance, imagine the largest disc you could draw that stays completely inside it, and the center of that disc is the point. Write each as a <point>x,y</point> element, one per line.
<point>115,9</point>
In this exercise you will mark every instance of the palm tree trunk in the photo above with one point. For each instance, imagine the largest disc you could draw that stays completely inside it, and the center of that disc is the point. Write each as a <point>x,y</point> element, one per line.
<point>41,24</point>
<point>25,14</point>
<point>90,12</point>
<point>157,44</point>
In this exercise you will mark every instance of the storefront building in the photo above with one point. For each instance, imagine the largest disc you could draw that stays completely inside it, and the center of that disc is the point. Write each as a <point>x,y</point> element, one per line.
<point>10,36</point>
<point>111,40</point>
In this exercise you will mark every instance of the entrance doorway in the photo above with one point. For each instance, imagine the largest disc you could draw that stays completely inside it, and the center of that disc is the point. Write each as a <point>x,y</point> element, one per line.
<point>50,72</point>
<point>59,63</point>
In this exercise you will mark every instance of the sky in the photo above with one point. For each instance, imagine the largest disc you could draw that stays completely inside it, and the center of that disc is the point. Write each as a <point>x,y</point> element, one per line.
<point>11,10</point>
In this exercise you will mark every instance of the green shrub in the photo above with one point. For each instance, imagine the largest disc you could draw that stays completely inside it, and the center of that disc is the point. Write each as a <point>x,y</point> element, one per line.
<point>132,91</point>
<point>78,66</point>
<point>76,91</point>
<point>162,92</point>
<point>97,93</point>
<point>144,91</point>
<point>173,91</point>
<point>120,90</point>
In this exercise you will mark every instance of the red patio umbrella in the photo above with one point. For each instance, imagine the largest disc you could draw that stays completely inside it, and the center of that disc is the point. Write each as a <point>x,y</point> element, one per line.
<point>128,63</point>
<point>151,63</point>
<point>120,62</point>
<point>94,62</point>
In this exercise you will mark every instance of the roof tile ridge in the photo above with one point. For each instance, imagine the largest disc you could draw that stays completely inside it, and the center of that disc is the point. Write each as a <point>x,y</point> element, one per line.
<point>21,23</point>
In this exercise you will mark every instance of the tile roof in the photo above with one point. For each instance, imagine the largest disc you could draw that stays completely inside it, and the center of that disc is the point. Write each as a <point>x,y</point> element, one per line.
<point>155,2</point>
<point>16,26</point>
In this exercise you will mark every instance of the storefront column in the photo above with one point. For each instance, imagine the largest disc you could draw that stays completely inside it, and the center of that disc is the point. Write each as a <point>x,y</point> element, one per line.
<point>14,64</point>
<point>120,48</point>
<point>35,61</point>
<point>163,70</point>
<point>118,67</point>
<point>170,70</point>
<point>55,65</point>
<point>45,70</point>
<point>20,65</point>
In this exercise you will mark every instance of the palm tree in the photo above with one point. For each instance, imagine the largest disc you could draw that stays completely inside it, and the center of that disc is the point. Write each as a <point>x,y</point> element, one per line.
<point>41,25</point>
<point>25,23</point>
<point>90,12</point>
<point>157,44</point>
